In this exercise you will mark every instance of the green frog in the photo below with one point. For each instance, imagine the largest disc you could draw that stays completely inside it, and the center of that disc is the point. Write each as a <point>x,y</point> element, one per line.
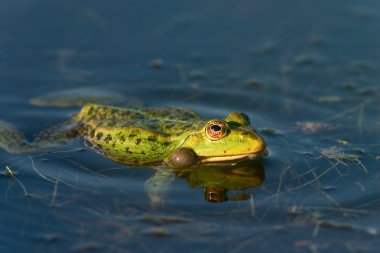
<point>168,137</point>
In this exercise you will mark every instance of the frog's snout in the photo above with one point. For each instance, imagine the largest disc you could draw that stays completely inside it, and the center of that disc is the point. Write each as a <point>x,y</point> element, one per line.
<point>257,143</point>
<point>262,143</point>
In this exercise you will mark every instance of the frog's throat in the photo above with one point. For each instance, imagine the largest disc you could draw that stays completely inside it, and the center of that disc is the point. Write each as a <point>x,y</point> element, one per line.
<point>229,158</point>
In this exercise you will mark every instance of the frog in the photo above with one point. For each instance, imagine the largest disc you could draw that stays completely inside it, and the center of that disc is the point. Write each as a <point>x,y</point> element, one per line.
<point>165,137</point>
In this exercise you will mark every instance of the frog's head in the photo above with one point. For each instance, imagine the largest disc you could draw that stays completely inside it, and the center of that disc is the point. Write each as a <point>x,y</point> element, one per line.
<point>220,141</point>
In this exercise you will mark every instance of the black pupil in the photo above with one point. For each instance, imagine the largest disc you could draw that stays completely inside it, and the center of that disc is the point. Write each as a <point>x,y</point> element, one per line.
<point>216,128</point>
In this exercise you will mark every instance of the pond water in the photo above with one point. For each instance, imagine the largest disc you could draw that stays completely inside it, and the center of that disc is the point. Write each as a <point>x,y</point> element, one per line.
<point>306,72</point>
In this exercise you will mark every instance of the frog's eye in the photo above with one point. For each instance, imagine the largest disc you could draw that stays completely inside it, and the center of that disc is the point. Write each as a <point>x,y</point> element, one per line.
<point>216,129</point>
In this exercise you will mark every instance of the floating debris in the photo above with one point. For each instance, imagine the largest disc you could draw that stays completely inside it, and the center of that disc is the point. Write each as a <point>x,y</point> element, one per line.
<point>294,210</point>
<point>348,86</point>
<point>368,91</point>
<point>328,188</point>
<point>340,156</point>
<point>13,175</point>
<point>286,69</point>
<point>307,59</point>
<point>87,247</point>
<point>265,48</point>
<point>329,99</point>
<point>278,228</point>
<point>253,82</point>
<point>197,75</point>
<point>157,63</point>
<point>372,231</point>
<point>8,172</point>
<point>156,232</point>
<point>49,238</point>
<point>163,219</point>
<point>313,127</point>
<point>305,244</point>
<point>317,40</point>
<point>343,142</point>
<point>324,223</point>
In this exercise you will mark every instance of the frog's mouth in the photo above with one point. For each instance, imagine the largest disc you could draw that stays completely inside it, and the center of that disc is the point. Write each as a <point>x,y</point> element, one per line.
<point>231,158</point>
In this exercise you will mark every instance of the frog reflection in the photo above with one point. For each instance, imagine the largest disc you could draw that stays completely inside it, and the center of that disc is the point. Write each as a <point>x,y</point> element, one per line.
<point>216,179</point>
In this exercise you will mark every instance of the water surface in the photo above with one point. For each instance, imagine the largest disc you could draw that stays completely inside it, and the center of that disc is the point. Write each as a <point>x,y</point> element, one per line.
<point>306,72</point>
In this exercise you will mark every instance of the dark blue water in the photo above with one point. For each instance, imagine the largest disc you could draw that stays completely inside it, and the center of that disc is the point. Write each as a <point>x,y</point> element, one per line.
<point>306,72</point>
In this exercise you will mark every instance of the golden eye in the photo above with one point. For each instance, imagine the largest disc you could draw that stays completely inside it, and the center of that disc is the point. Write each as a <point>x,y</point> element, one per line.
<point>216,129</point>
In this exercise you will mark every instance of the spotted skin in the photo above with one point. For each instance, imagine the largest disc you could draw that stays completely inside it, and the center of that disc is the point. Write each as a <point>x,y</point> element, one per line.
<point>135,136</point>
<point>148,136</point>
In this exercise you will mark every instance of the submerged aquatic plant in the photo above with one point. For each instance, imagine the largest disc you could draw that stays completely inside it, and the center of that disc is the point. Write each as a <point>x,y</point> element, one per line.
<point>338,155</point>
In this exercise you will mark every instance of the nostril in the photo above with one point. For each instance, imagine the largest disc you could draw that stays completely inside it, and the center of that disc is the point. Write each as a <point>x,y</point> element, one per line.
<point>245,133</point>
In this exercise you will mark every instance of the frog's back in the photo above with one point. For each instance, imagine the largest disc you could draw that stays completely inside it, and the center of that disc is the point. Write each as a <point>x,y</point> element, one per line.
<point>135,136</point>
<point>166,121</point>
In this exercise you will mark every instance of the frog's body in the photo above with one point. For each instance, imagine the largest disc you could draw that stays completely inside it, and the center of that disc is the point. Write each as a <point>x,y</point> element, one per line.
<point>152,136</point>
